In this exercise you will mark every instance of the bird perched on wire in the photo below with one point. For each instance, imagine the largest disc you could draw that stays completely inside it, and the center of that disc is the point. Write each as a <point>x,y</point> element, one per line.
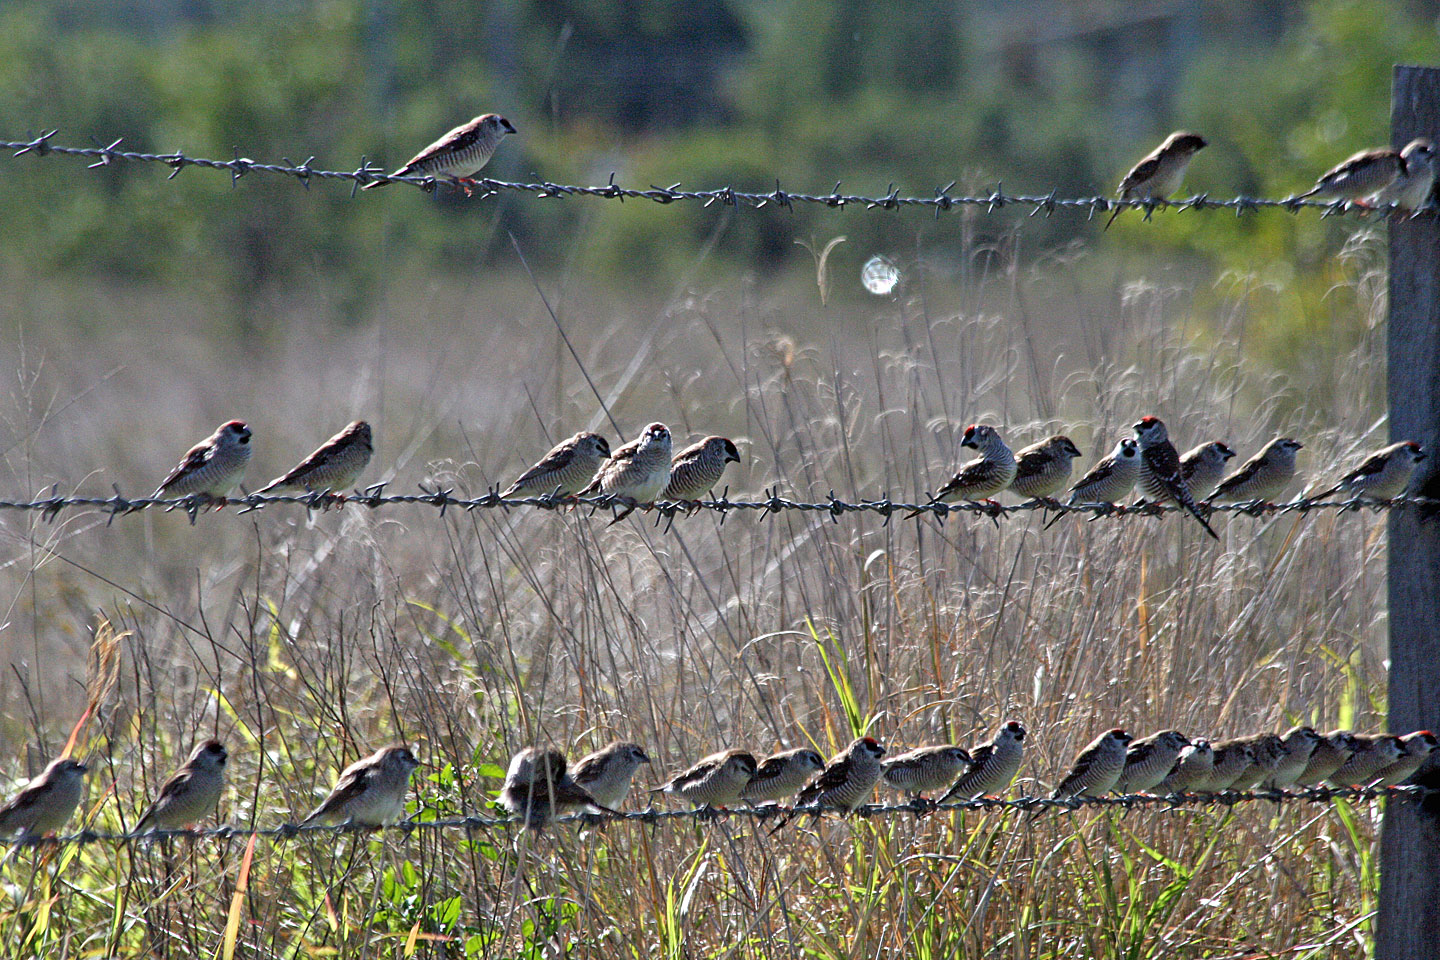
<point>847,781</point>
<point>606,774</point>
<point>1300,743</point>
<point>695,470</point>
<point>213,467</point>
<point>1358,176</point>
<point>45,803</point>
<point>1203,467</point>
<point>371,791</point>
<point>1192,769</point>
<point>993,764</point>
<point>1372,754</point>
<point>1110,480</point>
<point>191,793</point>
<point>1161,172</point>
<point>1150,760</point>
<point>1264,476</point>
<point>714,781</point>
<point>1269,752</point>
<point>1098,767</point>
<point>1329,754</point>
<point>1042,469</point>
<point>334,466</point>
<point>1410,191</point>
<point>1160,476</point>
<point>637,471</point>
<point>1383,475</point>
<point>1417,748</point>
<point>983,477</point>
<point>566,470</point>
<point>924,769</point>
<point>1231,759</point>
<point>538,787</point>
<point>459,154</point>
<point>781,774</point>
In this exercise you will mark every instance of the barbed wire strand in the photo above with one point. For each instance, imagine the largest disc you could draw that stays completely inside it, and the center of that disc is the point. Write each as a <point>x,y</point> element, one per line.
<point>444,499</point>
<point>1027,804</point>
<point>484,187</point>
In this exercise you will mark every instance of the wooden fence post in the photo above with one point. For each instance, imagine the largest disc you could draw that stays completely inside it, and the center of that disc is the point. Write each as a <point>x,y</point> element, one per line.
<point>1409,920</point>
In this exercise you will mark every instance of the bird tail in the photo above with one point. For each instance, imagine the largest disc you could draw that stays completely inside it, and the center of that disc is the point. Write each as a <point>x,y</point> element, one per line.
<point>1112,217</point>
<point>377,183</point>
<point>1195,512</point>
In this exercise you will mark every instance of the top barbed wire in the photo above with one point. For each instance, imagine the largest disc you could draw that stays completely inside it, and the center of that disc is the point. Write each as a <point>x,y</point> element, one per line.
<point>772,503</point>
<point>484,187</point>
<point>1228,799</point>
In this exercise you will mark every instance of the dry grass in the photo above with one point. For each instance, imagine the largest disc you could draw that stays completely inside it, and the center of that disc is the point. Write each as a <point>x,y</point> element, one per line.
<point>304,645</point>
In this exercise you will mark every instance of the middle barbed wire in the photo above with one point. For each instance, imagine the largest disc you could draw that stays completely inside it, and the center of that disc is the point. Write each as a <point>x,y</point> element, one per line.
<point>444,499</point>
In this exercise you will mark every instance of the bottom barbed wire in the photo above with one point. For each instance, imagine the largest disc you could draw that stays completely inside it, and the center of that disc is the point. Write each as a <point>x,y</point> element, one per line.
<point>444,499</point>
<point>1227,799</point>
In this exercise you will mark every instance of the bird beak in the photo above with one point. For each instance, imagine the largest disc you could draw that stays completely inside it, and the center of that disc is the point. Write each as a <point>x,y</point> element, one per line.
<point>509,127</point>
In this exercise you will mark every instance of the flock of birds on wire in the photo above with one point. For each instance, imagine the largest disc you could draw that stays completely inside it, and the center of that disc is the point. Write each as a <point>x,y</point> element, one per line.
<point>644,471</point>
<point>541,784</point>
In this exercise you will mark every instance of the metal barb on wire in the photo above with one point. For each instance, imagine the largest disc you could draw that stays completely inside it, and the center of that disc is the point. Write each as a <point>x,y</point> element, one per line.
<point>50,504</point>
<point>941,200</point>
<point>1025,804</point>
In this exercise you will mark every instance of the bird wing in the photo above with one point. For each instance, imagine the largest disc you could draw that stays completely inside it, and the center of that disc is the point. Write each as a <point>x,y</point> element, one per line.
<point>1029,463</point>
<point>695,774</point>
<point>1165,465</point>
<point>834,774</point>
<point>22,802</point>
<point>589,767</point>
<point>557,459</point>
<point>195,458</point>
<point>454,141</point>
<point>1245,474</point>
<point>1101,471</point>
<point>1356,162</point>
<point>178,783</point>
<point>322,457</point>
<point>621,457</point>
<point>1141,172</point>
<point>1081,770</point>
<point>1373,464</point>
<point>352,783</point>
<point>978,470</point>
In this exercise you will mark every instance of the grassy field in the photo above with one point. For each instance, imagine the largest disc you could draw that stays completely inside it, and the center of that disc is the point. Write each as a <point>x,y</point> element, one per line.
<point>305,644</point>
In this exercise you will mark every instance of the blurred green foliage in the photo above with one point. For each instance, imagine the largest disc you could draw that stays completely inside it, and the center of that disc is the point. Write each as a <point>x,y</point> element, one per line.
<point>910,93</point>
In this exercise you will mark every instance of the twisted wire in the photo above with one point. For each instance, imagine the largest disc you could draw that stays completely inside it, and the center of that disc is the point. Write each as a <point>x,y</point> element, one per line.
<point>941,201</point>
<point>444,499</point>
<point>1026,804</point>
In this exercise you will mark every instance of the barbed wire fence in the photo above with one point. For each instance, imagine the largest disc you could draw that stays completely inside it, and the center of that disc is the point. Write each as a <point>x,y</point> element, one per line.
<point>444,499</point>
<point>941,201</point>
<point>1228,799</point>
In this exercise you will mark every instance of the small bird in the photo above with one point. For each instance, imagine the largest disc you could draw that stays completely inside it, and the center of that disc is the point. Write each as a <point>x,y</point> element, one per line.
<point>695,470</point>
<point>1418,746</point>
<point>781,774</point>
<point>714,781</point>
<point>566,470</point>
<point>1192,769</point>
<point>1300,743</point>
<point>637,471</point>
<point>1150,760</point>
<point>847,781</point>
<point>1383,476</point>
<point>336,465</point>
<point>371,791</point>
<point>993,764</point>
<point>1270,752</point>
<point>1042,469</point>
<point>1110,480</point>
<point>1203,467</point>
<point>1230,760</point>
<point>606,773</point>
<point>924,769</point>
<point>538,787</point>
<point>191,793</point>
<point>213,467</point>
<point>1161,172</point>
<point>45,803</point>
<point>1097,769</point>
<point>1160,476</point>
<point>1411,190</point>
<point>1264,476</point>
<point>460,154</point>
<point>1333,750</point>
<point>1372,754</point>
<point>1358,176</point>
<point>983,477</point>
